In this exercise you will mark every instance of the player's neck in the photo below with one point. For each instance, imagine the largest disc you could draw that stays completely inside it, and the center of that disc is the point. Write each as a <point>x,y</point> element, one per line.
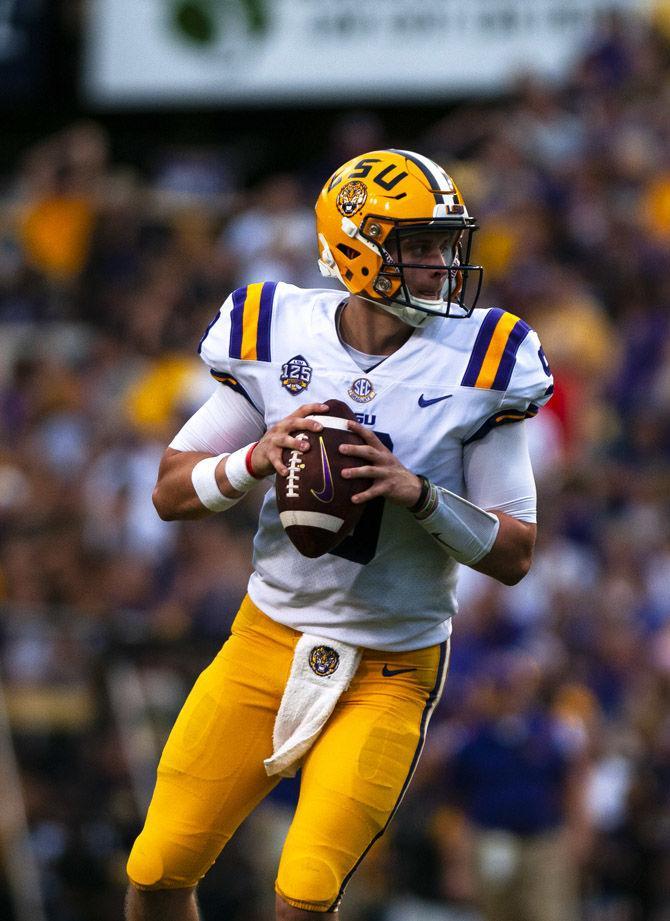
<point>370,329</point>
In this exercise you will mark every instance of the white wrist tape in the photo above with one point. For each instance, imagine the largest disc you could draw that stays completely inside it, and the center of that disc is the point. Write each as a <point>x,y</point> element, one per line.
<point>203,477</point>
<point>465,531</point>
<point>236,470</point>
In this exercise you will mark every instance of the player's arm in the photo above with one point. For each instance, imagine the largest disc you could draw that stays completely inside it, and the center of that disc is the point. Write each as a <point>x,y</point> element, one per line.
<point>225,423</point>
<point>220,453</point>
<point>511,556</point>
<point>484,536</point>
<point>174,495</point>
<point>499,478</point>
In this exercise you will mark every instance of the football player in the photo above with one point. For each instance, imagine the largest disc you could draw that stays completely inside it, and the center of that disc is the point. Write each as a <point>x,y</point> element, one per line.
<point>441,390</point>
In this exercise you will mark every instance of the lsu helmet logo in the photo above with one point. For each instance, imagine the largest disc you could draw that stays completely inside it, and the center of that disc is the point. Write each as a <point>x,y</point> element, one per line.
<point>351,197</point>
<point>323,660</point>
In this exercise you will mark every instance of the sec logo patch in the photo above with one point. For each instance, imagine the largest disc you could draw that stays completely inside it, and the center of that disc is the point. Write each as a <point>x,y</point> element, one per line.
<point>362,390</point>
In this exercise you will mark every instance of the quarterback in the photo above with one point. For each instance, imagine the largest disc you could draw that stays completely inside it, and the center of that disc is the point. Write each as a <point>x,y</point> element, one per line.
<point>334,665</point>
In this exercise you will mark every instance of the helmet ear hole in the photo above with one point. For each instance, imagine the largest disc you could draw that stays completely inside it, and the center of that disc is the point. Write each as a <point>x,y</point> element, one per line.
<point>348,251</point>
<point>365,270</point>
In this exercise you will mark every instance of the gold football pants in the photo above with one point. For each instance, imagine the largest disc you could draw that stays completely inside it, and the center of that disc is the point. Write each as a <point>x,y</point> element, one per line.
<point>211,773</point>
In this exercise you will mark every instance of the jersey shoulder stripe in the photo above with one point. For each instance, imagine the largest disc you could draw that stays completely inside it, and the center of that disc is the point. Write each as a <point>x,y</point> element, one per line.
<point>229,381</point>
<point>206,332</point>
<point>503,418</point>
<point>251,322</point>
<point>494,353</point>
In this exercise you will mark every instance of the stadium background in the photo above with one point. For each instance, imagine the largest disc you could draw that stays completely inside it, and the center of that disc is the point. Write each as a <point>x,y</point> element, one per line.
<point>121,230</point>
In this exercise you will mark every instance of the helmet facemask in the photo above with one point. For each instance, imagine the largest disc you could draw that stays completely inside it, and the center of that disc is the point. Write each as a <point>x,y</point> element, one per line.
<point>413,288</point>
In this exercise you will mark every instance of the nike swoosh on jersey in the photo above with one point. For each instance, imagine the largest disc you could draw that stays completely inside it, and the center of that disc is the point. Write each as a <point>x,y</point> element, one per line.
<point>390,672</point>
<point>424,402</point>
<point>326,493</point>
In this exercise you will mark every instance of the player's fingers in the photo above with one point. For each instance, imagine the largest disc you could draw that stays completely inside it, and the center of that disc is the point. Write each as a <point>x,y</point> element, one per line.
<point>296,443</point>
<point>365,451</point>
<point>291,443</point>
<point>274,457</point>
<point>366,434</point>
<point>293,423</point>
<point>310,408</point>
<point>371,473</point>
<point>367,494</point>
<point>275,447</point>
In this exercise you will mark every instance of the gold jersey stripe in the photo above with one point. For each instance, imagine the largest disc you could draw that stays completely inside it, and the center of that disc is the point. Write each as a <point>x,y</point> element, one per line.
<point>494,353</point>
<point>250,321</point>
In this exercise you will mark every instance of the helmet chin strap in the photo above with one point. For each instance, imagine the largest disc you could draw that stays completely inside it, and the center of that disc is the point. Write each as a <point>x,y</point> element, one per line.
<point>409,315</point>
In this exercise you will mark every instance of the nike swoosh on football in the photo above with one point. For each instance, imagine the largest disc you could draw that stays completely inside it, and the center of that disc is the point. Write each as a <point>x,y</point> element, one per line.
<point>390,672</point>
<point>325,494</point>
<point>424,402</point>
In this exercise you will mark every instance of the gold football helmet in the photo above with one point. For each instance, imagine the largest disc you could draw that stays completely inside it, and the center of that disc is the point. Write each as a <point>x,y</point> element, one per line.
<point>379,216</point>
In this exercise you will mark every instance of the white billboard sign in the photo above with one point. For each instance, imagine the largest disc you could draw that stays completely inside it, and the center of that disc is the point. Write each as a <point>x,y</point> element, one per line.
<point>314,51</point>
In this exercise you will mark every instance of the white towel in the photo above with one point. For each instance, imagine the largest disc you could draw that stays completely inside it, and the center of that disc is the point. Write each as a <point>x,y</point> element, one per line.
<point>321,670</point>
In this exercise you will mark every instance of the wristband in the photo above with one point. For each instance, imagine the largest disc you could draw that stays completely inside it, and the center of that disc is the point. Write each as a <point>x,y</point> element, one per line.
<point>203,477</point>
<point>238,469</point>
<point>247,461</point>
<point>423,495</point>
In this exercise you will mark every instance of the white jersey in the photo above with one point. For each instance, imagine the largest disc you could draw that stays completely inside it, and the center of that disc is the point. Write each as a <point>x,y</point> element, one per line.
<point>388,585</point>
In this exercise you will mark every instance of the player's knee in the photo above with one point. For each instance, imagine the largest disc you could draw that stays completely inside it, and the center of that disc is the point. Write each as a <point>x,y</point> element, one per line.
<point>145,867</point>
<point>151,867</point>
<point>308,882</point>
<point>159,860</point>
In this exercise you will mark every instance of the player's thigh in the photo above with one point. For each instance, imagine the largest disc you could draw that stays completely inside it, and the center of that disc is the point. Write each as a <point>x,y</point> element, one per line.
<point>211,772</point>
<point>356,773</point>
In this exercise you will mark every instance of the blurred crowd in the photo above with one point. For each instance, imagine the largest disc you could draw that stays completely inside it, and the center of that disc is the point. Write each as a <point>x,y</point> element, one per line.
<point>551,747</point>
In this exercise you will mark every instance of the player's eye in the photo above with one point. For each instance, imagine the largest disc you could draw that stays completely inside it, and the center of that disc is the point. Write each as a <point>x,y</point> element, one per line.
<point>418,248</point>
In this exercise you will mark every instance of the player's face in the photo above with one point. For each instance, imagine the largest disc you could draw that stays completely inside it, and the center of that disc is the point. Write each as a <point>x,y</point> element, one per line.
<point>434,251</point>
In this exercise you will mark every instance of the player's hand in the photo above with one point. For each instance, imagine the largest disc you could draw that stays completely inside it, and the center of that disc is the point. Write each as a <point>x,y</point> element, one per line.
<point>389,478</point>
<point>266,457</point>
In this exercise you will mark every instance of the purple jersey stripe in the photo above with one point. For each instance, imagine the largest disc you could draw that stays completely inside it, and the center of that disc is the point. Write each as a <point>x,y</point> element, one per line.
<point>206,332</point>
<point>264,321</point>
<point>480,347</point>
<point>229,381</point>
<point>504,373</point>
<point>236,315</point>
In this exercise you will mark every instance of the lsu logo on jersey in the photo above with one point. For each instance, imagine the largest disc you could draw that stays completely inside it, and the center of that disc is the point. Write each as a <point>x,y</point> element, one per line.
<point>296,375</point>
<point>324,661</point>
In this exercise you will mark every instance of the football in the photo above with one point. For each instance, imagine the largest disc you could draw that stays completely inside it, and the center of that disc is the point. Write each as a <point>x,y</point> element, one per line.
<point>314,501</point>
